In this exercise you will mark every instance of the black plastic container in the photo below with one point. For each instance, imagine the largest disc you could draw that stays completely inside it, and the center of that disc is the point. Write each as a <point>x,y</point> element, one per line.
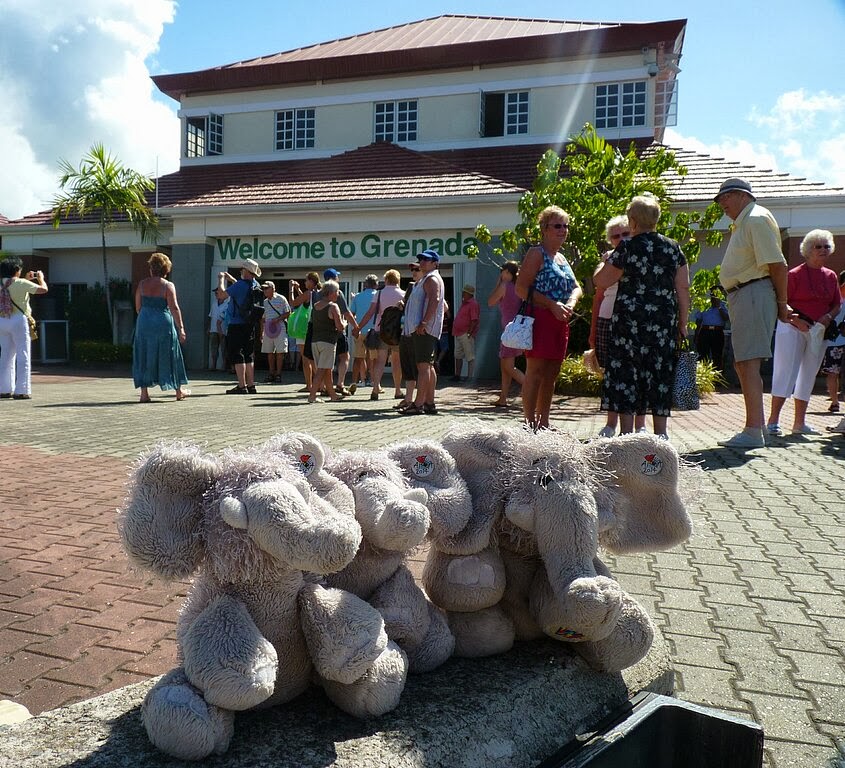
<point>660,732</point>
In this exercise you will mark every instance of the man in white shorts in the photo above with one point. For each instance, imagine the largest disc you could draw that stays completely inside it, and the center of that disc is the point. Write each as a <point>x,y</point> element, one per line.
<point>274,338</point>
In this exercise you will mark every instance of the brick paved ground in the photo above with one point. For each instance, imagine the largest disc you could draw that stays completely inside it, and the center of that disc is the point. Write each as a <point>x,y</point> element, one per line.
<point>753,606</point>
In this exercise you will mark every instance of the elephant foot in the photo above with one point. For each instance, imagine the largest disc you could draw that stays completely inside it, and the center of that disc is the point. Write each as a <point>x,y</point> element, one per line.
<point>181,723</point>
<point>481,633</point>
<point>436,647</point>
<point>377,691</point>
<point>403,607</point>
<point>227,658</point>
<point>464,582</point>
<point>629,642</point>
<point>344,634</point>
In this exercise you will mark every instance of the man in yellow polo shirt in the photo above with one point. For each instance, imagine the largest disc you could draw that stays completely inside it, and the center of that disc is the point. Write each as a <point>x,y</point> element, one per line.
<point>754,274</point>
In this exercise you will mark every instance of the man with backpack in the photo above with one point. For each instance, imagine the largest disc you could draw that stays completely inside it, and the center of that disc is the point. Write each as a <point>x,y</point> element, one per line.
<point>246,310</point>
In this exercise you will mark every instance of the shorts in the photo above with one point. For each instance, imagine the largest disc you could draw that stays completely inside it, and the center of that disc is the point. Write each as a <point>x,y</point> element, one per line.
<point>240,343</point>
<point>465,347</point>
<point>443,346</point>
<point>324,354</point>
<point>602,340</point>
<point>832,362</point>
<point>754,311</point>
<point>551,336</point>
<point>406,358</point>
<point>342,346</point>
<point>361,351</point>
<point>279,345</point>
<point>425,348</point>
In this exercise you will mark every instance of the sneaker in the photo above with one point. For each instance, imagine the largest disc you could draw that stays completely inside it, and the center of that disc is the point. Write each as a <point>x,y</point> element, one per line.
<point>774,430</point>
<point>237,391</point>
<point>661,436</point>
<point>269,379</point>
<point>805,429</point>
<point>607,431</point>
<point>744,441</point>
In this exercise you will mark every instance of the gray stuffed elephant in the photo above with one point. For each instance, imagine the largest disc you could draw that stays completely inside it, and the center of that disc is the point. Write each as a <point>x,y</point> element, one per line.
<point>247,525</point>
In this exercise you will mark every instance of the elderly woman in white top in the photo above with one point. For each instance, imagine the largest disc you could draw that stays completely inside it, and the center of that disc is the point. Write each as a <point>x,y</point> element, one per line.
<point>14,328</point>
<point>814,300</point>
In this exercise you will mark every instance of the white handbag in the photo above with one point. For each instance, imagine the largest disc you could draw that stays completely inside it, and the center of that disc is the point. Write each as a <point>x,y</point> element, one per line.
<point>519,332</point>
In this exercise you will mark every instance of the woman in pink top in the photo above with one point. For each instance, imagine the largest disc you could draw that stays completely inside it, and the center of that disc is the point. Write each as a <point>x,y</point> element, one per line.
<point>504,295</point>
<point>389,296</point>
<point>813,295</point>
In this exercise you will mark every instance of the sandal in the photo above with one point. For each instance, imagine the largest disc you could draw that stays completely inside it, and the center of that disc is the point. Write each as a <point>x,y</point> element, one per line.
<point>411,410</point>
<point>185,393</point>
<point>498,404</point>
<point>402,406</point>
<point>430,408</point>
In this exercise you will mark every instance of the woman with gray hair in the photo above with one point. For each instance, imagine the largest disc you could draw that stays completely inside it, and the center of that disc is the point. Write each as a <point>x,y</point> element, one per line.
<point>813,296</point>
<point>649,317</point>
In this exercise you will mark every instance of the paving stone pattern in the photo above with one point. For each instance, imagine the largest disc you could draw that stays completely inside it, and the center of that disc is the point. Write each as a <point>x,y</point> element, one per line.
<point>753,606</point>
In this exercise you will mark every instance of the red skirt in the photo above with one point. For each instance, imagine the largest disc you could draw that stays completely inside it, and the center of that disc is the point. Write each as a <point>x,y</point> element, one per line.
<point>551,336</point>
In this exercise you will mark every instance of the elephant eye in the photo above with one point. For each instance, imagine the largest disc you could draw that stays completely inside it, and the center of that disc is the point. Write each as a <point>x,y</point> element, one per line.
<point>362,476</point>
<point>544,479</point>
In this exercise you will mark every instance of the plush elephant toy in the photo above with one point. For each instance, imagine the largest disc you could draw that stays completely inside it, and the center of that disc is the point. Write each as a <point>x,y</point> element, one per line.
<point>553,501</point>
<point>395,519</point>
<point>248,525</point>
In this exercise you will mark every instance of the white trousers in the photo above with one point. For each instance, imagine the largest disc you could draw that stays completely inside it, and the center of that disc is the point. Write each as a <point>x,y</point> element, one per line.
<point>795,363</point>
<point>14,355</point>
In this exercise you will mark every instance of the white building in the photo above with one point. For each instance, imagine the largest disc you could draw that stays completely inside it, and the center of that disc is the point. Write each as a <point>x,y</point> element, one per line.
<point>358,153</point>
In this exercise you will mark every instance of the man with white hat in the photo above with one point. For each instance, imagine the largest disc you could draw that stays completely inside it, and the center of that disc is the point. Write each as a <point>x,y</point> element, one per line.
<point>240,338</point>
<point>753,273</point>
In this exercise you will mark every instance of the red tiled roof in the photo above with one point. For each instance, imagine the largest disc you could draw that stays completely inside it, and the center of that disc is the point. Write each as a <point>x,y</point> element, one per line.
<point>379,171</point>
<point>389,172</point>
<point>430,44</point>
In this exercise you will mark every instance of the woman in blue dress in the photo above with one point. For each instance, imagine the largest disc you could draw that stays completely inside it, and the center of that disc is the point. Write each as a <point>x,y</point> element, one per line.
<point>159,332</point>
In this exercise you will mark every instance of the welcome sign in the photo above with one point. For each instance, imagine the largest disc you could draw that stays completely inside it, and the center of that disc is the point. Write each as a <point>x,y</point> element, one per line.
<point>365,248</point>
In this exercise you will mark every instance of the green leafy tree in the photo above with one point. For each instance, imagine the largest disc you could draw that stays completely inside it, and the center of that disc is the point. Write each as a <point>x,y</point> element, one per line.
<point>593,182</point>
<point>103,187</point>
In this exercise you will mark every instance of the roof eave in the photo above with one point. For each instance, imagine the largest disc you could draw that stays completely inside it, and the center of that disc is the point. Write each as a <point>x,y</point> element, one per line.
<point>563,45</point>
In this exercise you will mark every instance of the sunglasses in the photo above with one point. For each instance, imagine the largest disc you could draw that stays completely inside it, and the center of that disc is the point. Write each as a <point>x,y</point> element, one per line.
<point>560,226</point>
<point>822,245</point>
<point>415,269</point>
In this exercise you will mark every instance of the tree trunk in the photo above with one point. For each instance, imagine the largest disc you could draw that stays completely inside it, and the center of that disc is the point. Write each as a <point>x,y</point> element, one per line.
<point>107,287</point>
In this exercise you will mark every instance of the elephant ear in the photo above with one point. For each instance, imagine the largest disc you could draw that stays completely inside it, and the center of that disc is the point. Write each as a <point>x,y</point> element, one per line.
<point>641,506</point>
<point>427,465</point>
<point>159,522</point>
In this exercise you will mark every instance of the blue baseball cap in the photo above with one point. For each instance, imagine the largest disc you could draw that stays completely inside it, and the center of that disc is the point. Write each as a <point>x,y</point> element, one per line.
<point>429,255</point>
<point>331,274</point>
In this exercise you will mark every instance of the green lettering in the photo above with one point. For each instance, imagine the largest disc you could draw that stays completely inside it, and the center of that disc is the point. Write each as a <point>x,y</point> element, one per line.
<point>265,250</point>
<point>347,249</point>
<point>385,248</point>
<point>228,248</point>
<point>402,248</point>
<point>318,249</point>
<point>370,246</point>
<point>436,244</point>
<point>245,251</point>
<point>418,246</point>
<point>453,245</point>
<point>280,250</point>
<point>298,250</point>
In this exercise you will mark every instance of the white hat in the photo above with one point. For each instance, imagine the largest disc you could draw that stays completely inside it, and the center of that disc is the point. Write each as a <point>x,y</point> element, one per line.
<point>252,266</point>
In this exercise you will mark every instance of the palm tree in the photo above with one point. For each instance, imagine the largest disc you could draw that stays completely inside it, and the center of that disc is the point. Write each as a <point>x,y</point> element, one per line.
<point>103,186</point>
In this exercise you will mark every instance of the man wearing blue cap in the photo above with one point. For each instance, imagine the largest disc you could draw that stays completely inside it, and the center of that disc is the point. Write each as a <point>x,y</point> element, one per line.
<point>754,274</point>
<point>342,351</point>
<point>424,321</point>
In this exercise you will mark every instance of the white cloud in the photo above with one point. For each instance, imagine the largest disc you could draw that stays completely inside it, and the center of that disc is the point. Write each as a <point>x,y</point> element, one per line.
<point>803,134</point>
<point>72,75</point>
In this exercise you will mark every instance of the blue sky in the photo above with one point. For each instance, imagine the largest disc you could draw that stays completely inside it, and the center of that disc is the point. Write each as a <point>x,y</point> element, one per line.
<point>761,86</point>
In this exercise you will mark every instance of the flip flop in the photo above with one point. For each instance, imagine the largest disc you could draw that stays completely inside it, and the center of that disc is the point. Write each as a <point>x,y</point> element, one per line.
<point>185,394</point>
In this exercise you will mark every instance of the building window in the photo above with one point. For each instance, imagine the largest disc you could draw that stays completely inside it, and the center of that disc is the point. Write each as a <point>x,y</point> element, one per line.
<point>666,103</point>
<point>620,105</point>
<point>396,121</point>
<point>204,136</point>
<point>504,114</point>
<point>295,129</point>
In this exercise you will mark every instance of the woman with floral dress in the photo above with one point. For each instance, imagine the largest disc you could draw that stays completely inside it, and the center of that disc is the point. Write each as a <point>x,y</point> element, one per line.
<point>649,317</point>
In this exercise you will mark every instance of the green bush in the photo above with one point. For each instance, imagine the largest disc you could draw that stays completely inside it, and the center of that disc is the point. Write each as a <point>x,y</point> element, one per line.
<point>87,352</point>
<point>575,379</point>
